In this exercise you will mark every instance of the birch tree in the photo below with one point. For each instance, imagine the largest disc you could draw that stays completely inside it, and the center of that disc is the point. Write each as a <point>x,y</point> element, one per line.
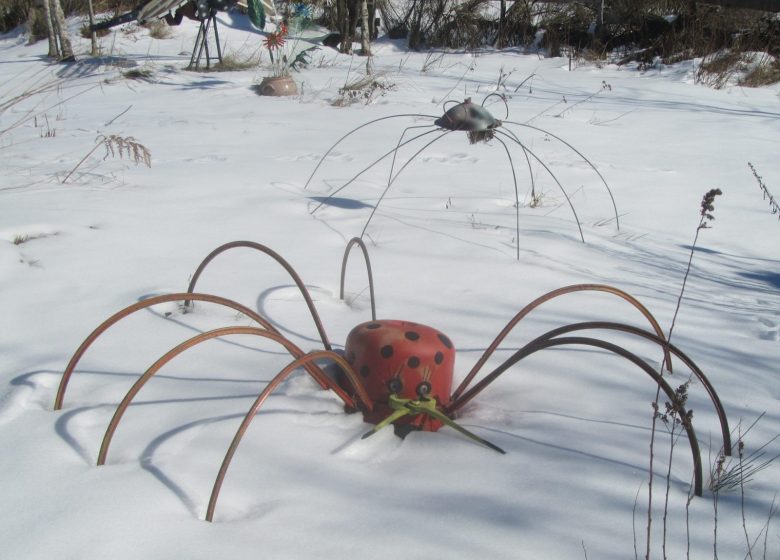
<point>59,40</point>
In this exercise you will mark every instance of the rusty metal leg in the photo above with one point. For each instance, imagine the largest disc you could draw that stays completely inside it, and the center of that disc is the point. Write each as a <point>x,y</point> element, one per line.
<point>278,258</point>
<point>547,297</point>
<point>543,342</point>
<point>296,352</point>
<point>137,307</point>
<point>647,335</point>
<point>274,383</point>
<point>359,242</point>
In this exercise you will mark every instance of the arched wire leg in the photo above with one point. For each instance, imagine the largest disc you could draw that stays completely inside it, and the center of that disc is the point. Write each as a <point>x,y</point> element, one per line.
<point>340,140</point>
<point>359,242</point>
<point>372,164</point>
<point>549,171</point>
<point>576,151</point>
<point>296,352</point>
<point>502,97</point>
<point>528,163</point>
<point>274,383</point>
<point>647,335</point>
<point>662,342</point>
<point>149,302</point>
<point>517,196</point>
<point>544,342</point>
<point>278,258</point>
<point>547,297</point>
<point>391,180</point>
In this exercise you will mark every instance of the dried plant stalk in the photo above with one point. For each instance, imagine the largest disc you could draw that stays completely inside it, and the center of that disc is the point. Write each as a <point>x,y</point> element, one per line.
<point>116,145</point>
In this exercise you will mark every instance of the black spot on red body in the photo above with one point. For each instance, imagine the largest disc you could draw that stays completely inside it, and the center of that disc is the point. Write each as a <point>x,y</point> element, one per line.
<point>438,358</point>
<point>413,361</point>
<point>364,371</point>
<point>373,325</point>
<point>446,341</point>
<point>386,351</point>
<point>411,335</point>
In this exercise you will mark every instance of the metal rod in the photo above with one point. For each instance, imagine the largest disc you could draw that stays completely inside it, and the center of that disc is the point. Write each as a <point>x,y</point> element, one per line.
<point>576,151</point>
<point>340,140</point>
<point>359,242</point>
<point>547,297</point>
<point>549,171</point>
<point>543,342</point>
<point>137,307</point>
<point>250,415</point>
<point>322,379</point>
<point>278,258</point>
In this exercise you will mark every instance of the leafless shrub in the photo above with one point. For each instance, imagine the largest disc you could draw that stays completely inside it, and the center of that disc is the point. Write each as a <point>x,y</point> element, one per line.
<point>363,90</point>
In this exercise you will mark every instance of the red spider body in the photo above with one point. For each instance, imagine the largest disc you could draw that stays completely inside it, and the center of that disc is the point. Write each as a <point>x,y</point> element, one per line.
<point>409,360</point>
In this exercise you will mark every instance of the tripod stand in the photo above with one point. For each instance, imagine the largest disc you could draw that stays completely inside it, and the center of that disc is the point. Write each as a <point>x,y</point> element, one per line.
<point>202,44</point>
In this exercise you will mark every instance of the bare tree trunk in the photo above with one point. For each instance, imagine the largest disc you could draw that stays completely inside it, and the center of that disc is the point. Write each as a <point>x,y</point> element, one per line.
<point>92,33</point>
<point>342,16</point>
<point>500,39</point>
<point>61,30</point>
<point>54,50</point>
<point>365,30</point>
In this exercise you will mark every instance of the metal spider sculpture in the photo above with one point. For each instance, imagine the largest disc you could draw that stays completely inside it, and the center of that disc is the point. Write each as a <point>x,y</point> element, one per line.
<point>480,126</point>
<point>397,372</point>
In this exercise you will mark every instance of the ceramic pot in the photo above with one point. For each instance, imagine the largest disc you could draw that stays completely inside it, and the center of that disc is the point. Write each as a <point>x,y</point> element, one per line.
<point>277,86</point>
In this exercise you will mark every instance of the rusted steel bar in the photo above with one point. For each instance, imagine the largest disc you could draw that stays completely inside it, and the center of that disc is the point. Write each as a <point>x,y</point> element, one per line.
<point>359,242</point>
<point>544,342</point>
<point>547,297</point>
<point>273,384</point>
<point>156,300</point>
<point>684,358</point>
<point>278,258</point>
<point>296,352</point>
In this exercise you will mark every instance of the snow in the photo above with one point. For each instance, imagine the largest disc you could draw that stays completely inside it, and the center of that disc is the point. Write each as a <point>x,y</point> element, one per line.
<point>230,165</point>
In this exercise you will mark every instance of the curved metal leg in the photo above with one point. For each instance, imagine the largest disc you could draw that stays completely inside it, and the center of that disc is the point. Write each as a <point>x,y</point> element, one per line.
<point>278,258</point>
<point>340,140</point>
<point>605,325</point>
<point>137,307</point>
<point>391,180</point>
<point>296,352</point>
<point>547,297</point>
<point>544,342</point>
<point>517,196</point>
<point>359,242</point>
<point>372,164</point>
<point>576,151</point>
<point>549,171</point>
<point>274,383</point>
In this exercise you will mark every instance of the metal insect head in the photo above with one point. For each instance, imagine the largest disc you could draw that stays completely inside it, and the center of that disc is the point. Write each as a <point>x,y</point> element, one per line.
<point>480,126</point>
<point>398,372</point>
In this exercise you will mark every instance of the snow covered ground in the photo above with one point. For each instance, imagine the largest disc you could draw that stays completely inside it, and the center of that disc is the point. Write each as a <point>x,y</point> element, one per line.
<point>227,164</point>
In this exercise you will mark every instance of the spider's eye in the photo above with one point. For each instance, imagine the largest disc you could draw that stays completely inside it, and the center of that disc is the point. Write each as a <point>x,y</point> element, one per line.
<point>423,390</point>
<point>394,386</point>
